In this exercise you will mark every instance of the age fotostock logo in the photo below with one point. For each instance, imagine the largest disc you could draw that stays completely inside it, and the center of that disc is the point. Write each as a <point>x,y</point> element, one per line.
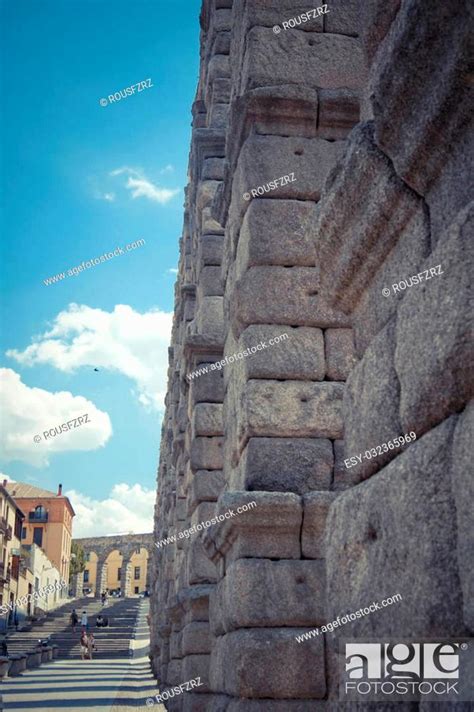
<point>402,670</point>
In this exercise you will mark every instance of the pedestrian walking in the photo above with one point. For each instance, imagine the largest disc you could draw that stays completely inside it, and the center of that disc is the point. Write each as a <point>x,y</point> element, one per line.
<point>84,645</point>
<point>74,620</point>
<point>84,620</point>
<point>90,645</point>
<point>102,598</point>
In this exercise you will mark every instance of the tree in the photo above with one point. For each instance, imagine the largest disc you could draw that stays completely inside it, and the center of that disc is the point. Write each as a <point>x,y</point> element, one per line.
<point>78,559</point>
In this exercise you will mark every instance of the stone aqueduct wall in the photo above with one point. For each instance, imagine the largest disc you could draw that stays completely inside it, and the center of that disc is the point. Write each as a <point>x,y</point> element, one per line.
<point>367,106</point>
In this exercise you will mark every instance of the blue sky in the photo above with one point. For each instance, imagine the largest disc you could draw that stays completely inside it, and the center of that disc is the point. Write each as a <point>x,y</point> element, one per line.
<point>62,206</point>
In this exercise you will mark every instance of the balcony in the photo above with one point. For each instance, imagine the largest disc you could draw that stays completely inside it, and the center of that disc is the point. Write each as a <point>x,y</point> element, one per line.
<point>3,525</point>
<point>9,533</point>
<point>38,517</point>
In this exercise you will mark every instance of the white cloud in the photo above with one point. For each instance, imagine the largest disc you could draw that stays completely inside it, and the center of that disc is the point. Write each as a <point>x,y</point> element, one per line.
<point>122,341</point>
<point>128,508</point>
<point>108,196</point>
<point>141,186</point>
<point>4,477</point>
<point>167,169</point>
<point>28,412</point>
<point>172,270</point>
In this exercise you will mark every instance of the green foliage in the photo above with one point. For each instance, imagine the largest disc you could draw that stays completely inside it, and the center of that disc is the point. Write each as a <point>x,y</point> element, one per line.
<point>78,559</point>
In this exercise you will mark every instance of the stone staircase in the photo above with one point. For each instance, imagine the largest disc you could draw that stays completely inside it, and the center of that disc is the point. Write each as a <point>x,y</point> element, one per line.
<point>111,642</point>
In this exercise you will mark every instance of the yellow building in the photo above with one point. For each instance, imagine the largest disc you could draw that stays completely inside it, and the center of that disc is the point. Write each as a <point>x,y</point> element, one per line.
<point>116,571</point>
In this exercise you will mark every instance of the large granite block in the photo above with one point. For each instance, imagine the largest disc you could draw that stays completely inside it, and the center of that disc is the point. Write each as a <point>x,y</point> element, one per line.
<point>356,229</point>
<point>296,353</point>
<point>433,357</point>
<point>207,419</point>
<point>371,405</point>
<point>276,232</point>
<point>463,492</point>
<point>199,569</point>
<point>206,454</point>
<point>210,283</point>
<point>268,529</point>
<point>291,409</point>
<point>340,353</point>
<point>196,639</point>
<point>285,465</point>
<point>316,507</point>
<point>206,486</point>
<point>294,594</point>
<point>325,60</point>
<point>287,295</point>
<point>210,318</point>
<point>197,666</point>
<point>396,534</point>
<point>268,663</point>
<point>206,388</point>
<point>419,135</point>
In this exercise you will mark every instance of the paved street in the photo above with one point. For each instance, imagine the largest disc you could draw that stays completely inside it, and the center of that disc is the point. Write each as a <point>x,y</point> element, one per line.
<point>101,685</point>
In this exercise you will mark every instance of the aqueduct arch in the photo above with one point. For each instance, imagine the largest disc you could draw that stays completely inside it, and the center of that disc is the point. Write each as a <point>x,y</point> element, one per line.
<point>127,546</point>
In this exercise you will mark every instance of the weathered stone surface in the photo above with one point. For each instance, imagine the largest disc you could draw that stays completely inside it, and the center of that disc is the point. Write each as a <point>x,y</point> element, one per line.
<point>210,249</point>
<point>199,568</point>
<point>292,409</point>
<point>340,353</point>
<point>398,516</point>
<point>434,334</point>
<point>339,111</point>
<point>206,486</point>
<point>288,295</point>
<point>463,492</point>
<point>206,454</point>
<point>285,465</point>
<point>326,61</point>
<point>294,594</point>
<point>371,406</point>
<point>420,141</point>
<point>207,419</point>
<point>276,232</point>
<point>207,387</point>
<point>197,666</point>
<point>210,283</point>
<point>316,507</point>
<point>268,663</point>
<point>296,353</point>
<point>375,21</point>
<point>270,529</point>
<point>356,231</point>
<point>344,17</point>
<point>196,639</point>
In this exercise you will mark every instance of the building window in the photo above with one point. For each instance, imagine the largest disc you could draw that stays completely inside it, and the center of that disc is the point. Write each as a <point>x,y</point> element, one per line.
<point>18,525</point>
<point>136,589</point>
<point>137,573</point>
<point>119,574</point>
<point>23,533</point>
<point>15,569</point>
<point>38,536</point>
<point>86,576</point>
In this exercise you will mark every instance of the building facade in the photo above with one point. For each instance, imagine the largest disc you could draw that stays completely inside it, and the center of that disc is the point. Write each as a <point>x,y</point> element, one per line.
<point>47,523</point>
<point>16,576</point>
